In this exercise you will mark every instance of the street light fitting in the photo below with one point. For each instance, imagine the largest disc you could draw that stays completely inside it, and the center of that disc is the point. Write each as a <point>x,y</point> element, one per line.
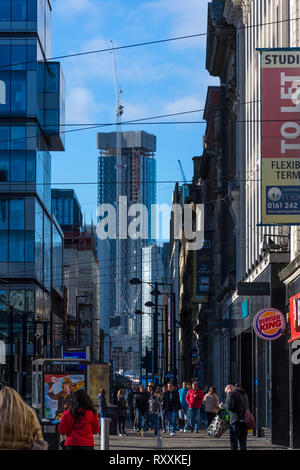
<point>135,281</point>
<point>139,312</point>
<point>149,304</point>
<point>155,292</point>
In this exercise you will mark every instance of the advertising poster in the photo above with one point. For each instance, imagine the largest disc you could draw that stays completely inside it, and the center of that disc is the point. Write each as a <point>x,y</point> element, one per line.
<point>280,129</point>
<point>59,389</point>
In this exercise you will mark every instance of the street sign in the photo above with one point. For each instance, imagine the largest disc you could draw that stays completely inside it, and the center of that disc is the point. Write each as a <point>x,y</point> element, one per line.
<point>254,288</point>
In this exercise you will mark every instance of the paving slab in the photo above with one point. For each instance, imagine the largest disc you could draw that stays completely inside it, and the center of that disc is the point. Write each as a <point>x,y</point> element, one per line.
<point>181,441</point>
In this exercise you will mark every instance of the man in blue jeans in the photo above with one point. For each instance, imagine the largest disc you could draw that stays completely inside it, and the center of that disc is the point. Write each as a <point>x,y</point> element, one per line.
<point>184,406</point>
<point>171,405</point>
<point>194,399</point>
<point>140,401</point>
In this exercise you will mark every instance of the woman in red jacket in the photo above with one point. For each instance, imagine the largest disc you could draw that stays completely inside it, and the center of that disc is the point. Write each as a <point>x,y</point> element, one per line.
<point>79,423</point>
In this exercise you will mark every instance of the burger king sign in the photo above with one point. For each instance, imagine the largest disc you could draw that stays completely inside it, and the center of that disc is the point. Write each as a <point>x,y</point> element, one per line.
<point>269,324</point>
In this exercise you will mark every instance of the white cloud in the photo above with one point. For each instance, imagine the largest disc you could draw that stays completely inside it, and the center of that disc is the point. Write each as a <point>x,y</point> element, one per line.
<point>68,8</point>
<point>81,107</point>
<point>185,103</point>
<point>186,17</point>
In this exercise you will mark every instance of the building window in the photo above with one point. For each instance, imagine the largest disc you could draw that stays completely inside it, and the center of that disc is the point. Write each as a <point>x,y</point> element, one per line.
<point>16,214</point>
<point>4,166</point>
<point>4,246</point>
<point>18,10</point>
<point>17,166</point>
<point>29,246</point>
<point>16,246</point>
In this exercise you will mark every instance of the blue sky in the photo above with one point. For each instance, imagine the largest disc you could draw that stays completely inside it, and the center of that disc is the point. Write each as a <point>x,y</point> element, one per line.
<point>157,79</point>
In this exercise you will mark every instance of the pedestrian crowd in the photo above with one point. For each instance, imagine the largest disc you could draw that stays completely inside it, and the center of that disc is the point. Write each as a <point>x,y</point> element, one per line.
<point>185,409</point>
<point>169,408</point>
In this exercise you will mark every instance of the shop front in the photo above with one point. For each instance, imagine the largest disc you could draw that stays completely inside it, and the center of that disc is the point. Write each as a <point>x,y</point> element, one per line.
<point>291,278</point>
<point>260,362</point>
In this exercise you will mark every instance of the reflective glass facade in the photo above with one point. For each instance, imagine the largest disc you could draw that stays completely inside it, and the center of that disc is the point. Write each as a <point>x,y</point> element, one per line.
<point>66,208</point>
<point>31,121</point>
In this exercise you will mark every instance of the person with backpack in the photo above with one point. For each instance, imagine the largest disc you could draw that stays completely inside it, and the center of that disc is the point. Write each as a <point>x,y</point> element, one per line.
<point>194,399</point>
<point>237,403</point>
<point>79,423</point>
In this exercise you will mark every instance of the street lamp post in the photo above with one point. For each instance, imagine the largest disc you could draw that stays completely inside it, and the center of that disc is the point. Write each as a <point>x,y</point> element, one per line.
<point>156,293</point>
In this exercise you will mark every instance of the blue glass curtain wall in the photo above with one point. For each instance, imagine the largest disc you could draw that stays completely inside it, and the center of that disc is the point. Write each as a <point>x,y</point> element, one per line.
<point>16,243</point>
<point>18,10</point>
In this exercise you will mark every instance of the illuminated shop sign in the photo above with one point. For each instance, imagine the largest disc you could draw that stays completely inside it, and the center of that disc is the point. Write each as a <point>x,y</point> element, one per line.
<point>295,317</point>
<point>269,324</point>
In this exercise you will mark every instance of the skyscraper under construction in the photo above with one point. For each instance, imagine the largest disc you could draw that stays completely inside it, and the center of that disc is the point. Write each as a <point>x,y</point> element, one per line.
<point>121,260</point>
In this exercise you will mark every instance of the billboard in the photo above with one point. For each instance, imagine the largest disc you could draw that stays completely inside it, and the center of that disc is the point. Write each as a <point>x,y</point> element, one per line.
<point>280,137</point>
<point>59,389</point>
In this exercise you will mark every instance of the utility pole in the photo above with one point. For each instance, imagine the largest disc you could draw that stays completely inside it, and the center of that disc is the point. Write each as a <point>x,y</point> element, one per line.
<point>11,340</point>
<point>155,333</point>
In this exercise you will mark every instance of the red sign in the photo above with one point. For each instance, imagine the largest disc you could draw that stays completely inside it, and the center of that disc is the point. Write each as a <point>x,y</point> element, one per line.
<point>269,324</point>
<point>280,135</point>
<point>295,317</point>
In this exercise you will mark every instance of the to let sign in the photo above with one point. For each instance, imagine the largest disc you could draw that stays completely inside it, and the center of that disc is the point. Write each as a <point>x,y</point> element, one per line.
<point>280,134</point>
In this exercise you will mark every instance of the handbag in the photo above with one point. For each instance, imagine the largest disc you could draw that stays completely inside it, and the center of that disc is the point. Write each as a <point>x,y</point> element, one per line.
<point>249,420</point>
<point>39,444</point>
<point>217,427</point>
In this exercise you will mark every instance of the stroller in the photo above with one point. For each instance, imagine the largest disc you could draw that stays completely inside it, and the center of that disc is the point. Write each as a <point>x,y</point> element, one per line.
<point>219,425</point>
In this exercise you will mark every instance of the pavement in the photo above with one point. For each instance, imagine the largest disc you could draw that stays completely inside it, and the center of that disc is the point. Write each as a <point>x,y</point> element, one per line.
<point>181,441</point>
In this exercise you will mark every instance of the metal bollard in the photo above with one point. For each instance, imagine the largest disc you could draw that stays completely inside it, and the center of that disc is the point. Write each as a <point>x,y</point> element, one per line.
<point>105,433</point>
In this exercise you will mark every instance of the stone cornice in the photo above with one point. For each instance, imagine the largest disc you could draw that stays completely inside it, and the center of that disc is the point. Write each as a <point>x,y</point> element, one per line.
<point>293,268</point>
<point>246,4</point>
<point>233,11</point>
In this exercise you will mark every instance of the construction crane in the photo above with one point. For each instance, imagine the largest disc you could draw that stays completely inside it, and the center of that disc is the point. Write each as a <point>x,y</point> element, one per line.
<point>119,181</point>
<point>182,172</point>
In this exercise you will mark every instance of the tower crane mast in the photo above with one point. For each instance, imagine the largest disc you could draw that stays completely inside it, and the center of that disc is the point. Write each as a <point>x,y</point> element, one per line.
<point>120,179</point>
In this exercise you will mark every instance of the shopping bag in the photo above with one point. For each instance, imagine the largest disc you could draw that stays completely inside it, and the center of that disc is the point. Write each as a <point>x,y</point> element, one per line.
<point>249,420</point>
<point>217,427</point>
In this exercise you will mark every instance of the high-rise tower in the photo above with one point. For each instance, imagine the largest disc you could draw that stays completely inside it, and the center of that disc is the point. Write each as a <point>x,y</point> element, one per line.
<point>139,186</point>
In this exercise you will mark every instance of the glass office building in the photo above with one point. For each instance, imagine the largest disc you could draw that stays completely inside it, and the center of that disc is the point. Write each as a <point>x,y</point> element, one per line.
<point>31,125</point>
<point>139,185</point>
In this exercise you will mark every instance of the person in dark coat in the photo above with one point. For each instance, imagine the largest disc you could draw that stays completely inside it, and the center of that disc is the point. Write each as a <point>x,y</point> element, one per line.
<point>131,404</point>
<point>171,406</point>
<point>140,401</point>
<point>121,412</point>
<point>237,403</point>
